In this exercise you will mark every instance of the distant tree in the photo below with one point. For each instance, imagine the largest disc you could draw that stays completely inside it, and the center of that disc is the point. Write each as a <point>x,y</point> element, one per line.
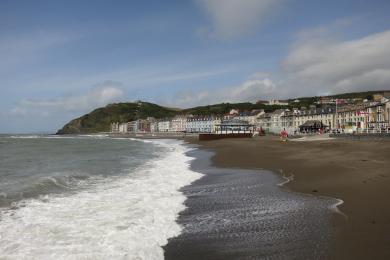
<point>369,97</point>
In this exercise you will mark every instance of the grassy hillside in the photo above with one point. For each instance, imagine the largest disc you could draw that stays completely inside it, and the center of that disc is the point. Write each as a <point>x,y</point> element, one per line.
<point>99,120</point>
<point>305,101</point>
<point>363,95</point>
<point>223,108</point>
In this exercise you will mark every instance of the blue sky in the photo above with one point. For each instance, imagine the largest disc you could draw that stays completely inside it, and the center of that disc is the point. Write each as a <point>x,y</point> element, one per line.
<point>61,59</point>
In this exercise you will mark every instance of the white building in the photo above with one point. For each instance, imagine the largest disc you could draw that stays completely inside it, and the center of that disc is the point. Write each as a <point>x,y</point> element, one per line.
<point>164,125</point>
<point>179,124</point>
<point>276,119</point>
<point>154,127</point>
<point>386,101</point>
<point>277,102</point>
<point>200,124</point>
<point>263,121</point>
<point>245,116</point>
<point>122,128</point>
<point>251,116</point>
<point>216,122</point>
<point>132,126</point>
<point>114,127</point>
<point>234,111</point>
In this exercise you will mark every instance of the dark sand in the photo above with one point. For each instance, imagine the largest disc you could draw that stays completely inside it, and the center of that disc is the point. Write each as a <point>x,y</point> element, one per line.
<point>356,171</point>
<point>244,214</point>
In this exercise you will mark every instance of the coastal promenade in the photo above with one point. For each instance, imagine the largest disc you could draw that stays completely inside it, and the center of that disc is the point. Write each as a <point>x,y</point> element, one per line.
<point>355,171</point>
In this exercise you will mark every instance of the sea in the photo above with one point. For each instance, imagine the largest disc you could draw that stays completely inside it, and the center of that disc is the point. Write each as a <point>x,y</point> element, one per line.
<point>99,197</point>
<point>90,196</point>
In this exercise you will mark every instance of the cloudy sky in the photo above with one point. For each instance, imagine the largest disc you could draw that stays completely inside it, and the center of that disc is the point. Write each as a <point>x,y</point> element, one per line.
<point>60,59</point>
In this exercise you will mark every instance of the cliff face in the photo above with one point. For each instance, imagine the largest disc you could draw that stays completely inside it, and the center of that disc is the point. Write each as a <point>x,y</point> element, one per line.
<point>73,127</point>
<point>99,120</point>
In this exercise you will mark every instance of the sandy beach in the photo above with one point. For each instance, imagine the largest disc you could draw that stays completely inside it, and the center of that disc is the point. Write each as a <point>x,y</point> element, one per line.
<point>243,214</point>
<point>355,171</point>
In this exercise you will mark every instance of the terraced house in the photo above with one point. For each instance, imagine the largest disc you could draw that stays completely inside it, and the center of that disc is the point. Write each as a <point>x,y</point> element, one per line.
<point>179,123</point>
<point>250,116</point>
<point>365,116</point>
<point>164,125</point>
<point>263,122</point>
<point>326,115</point>
<point>200,124</point>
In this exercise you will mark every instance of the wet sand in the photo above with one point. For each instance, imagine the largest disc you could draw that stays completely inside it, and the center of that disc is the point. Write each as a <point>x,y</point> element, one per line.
<point>356,171</point>
<point>244,214</point>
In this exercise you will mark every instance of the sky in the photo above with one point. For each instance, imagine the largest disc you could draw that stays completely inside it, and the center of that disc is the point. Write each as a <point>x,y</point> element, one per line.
<point>62,59</point>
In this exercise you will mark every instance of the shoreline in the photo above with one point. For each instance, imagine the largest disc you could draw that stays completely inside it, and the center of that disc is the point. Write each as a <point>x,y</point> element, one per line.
<point>356,172</point>
<point>234,213</point>
<point>333,207</point>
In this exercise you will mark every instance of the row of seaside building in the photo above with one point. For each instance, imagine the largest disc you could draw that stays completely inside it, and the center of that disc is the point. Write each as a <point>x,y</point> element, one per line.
<point>374,116</point>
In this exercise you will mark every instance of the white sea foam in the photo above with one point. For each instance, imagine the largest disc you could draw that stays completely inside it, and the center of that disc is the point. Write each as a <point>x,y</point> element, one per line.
<point>335,208</point>
<point>96,135</point>
<point>92,136</point>
<point>147,141</point>
<point>286,178</point>
<point>25,136</point>
<point>124,218</point>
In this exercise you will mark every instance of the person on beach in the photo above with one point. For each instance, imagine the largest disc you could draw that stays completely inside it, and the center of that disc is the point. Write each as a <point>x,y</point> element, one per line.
<point>283,135</point>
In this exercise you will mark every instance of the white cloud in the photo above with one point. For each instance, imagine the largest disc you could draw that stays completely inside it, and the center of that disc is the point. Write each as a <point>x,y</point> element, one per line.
<point>318,63</point>
<point>334,66</point>
<point>249,91</point>
<point>100,95</point>
<point>232,18</point>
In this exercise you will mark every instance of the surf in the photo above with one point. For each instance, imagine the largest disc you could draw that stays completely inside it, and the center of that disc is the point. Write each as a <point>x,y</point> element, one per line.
<point>126,216</point>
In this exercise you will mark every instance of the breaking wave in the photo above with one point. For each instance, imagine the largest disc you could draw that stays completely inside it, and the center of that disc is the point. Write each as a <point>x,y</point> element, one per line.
<point>126,216</point>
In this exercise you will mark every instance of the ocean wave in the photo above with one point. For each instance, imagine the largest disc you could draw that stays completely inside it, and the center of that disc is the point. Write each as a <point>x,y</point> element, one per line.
<point>92,136</point>
<point>47,185</point>
<point>128,217</point>
<point>85,136</point>
<point>95,136</point>
<point>25,136</point>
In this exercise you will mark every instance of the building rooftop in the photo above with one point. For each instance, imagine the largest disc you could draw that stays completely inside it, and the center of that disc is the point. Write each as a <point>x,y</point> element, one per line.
<point>234,121</point>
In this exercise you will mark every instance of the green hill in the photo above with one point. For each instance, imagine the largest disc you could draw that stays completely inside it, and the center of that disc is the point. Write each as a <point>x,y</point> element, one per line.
<point>99,120</point>
<point>223,108</point>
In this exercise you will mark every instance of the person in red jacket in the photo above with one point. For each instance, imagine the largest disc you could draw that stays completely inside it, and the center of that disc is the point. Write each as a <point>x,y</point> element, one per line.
<point>283,135</point>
